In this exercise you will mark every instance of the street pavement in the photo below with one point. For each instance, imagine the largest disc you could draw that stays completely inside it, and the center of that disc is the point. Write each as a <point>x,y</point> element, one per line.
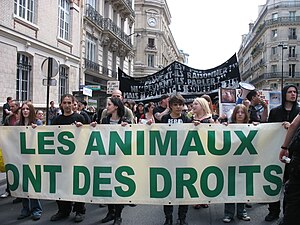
<point>139,215</point>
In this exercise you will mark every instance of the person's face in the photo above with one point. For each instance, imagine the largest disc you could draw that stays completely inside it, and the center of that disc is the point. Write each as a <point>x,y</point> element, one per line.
<point>75,106</point>
<point>240,116</point>
<point>40,115</point>
<point>151,108</point>
<point>190,106</point>
<point>52,104</point>
<point>67,105</point>
<point>176,108</point>
<point>13,107</point>
<point>197,108</point>
<point>117,94</point>
<point>140,108</point>
<point>256,99</point>
<point>25,110</point>
<point>291,94</point>
<point>165,101</point>
<point>111,108</point>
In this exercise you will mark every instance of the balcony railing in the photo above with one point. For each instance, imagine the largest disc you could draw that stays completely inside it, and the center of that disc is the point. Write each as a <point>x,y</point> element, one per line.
<point>277,75</point>
<point>88,64</point>
<point>109,25</point>
<point>93,15</point>
<point>293,37</point>
<point>95,67</point>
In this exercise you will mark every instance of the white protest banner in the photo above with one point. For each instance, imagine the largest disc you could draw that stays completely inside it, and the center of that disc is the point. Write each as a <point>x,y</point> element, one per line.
<point>157,164</point>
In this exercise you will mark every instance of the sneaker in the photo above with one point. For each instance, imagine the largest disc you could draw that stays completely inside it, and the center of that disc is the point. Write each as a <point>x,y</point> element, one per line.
<point>271,216</point>
<point>244,218</point>
<point>79,217</point>
<point>5,195</point>
<point>59,216</point>
<point>227,219</point>
<point>36,217</point>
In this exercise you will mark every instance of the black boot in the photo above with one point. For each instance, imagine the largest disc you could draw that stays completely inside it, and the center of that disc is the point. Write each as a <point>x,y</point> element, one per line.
<point>169,221</point>
<point>110,216</point>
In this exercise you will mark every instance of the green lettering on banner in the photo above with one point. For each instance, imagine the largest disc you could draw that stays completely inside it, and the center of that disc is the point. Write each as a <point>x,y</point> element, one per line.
<point>140,142</point>
<point>246,142</point>
<point>42,142</point>
<point>219,181</point>
<point>192,135</point>
<point>167,184</point>
<point>273,179</point>
<point>125,180</point>
<point>71,146</point>
<point>77,190</point>
<point>231,180</point>
<point>115,139</point>
<point>212,143</point>
<point>189,183</point>
<point>155,138</point>
<point>100,180</point>
<point>99,147</point>
<point>16,176</point>
<point>52,170</point>
<point>35,180</point>
<point>25,150</point>
<point>249,171</point>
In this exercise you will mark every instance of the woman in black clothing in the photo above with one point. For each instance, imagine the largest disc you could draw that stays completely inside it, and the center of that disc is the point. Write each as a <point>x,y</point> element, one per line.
<point>115,111</point>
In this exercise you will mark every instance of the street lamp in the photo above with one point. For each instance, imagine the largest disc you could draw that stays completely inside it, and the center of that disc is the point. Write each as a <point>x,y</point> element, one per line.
<point>282,46</point>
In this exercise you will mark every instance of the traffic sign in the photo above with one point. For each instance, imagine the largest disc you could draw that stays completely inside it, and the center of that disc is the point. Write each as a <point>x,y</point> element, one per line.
<point>53,70</point>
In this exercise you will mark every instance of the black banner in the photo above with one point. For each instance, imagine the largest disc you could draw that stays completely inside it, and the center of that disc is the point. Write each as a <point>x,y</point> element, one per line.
<point>181,79</point>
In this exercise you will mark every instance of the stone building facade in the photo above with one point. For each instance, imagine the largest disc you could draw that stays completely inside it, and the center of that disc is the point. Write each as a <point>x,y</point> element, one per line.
<point>269,53</point>
<point>30,32</point>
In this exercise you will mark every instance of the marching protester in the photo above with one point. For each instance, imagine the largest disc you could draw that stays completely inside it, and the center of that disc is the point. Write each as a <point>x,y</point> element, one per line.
<point>115,115</point>
<point>175,116</point>
<point>286,112</point>
<point>40,115</point>
<point>257,104</point>
<point>201,114</point>
<point>52,112</point>
<point>148,117</point>
<point>239,115</point>
<point>140,111</point>
<point>68,117</point>
<point>11,120</point>
<point>162,109</point>
<point>6,109</point>
<point>31,207</point>
<point>128,112</point>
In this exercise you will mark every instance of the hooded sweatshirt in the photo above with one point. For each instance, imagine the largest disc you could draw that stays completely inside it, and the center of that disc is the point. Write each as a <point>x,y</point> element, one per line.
<point>279,113</point>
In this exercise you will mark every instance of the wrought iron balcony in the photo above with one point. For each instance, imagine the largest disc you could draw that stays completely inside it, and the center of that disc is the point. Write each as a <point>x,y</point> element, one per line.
<point>96,68</point>
<point>90,65</point>
<point>93,15</point>
<point>277,75</point>
<point>110,26</point>
<point>293,37</point>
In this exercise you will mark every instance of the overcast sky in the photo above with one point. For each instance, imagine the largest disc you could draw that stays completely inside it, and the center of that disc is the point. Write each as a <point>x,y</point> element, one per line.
<point>211,31</point>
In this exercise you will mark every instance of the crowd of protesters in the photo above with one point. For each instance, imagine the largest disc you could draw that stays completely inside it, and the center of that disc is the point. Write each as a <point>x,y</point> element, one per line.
<point>171,110</point>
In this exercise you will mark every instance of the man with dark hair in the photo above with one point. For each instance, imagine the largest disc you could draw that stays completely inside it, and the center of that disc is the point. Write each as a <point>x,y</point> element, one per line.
<point>256,106</point>
<point>285,113</point>
<point>6,109</point>
<point>162,109</point>
<point>52,112</point>
<point>67,118</point>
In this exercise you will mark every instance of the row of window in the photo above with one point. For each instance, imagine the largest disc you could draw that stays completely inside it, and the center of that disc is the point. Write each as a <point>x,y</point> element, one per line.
<point>24,78</point>
<point>27,10</point>
<point>292,69</point>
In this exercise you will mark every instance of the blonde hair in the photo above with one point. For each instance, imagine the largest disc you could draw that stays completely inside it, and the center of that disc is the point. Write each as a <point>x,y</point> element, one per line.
<point>208,99</point>
<point>204,104</point>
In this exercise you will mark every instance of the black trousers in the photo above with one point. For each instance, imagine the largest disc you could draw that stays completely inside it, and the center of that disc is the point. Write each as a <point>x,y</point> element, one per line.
<point>292,196</point>
<point>182,211</point>
<point>115,209</point>
<point>65,207</point>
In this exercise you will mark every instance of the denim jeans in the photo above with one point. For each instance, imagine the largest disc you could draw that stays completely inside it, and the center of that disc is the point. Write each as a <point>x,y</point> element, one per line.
<point>31,207</point>
<point>229,209</point>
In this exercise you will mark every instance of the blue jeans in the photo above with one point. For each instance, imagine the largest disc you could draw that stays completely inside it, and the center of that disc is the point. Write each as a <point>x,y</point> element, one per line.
<point>31,207</point>
<point>229,209</point>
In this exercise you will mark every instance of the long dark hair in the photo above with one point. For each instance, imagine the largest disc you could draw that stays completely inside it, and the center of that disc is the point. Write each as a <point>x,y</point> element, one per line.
<point>121,108</point>
<point>32,115</point>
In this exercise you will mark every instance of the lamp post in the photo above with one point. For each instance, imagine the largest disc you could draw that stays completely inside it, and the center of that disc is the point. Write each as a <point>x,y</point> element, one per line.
<point>282,46</point>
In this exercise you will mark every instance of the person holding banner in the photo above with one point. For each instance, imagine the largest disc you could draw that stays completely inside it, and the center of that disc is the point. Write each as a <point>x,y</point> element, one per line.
<point>286,112</point>
<point>115,115</point>
<point>67,118</point>
<point>175,116</point>
<point>31,207</point>
<point>148,117</point>
<point>239,115</point>
<point>128,112</point>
